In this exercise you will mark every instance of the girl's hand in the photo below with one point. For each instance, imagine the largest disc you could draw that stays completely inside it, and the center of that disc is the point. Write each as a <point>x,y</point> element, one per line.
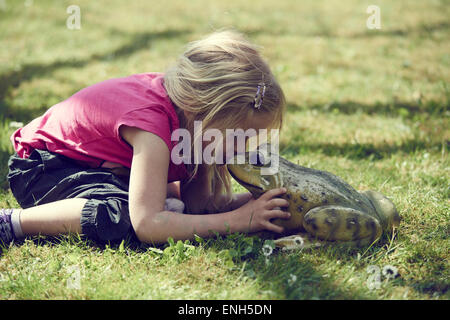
<point>256,214</point>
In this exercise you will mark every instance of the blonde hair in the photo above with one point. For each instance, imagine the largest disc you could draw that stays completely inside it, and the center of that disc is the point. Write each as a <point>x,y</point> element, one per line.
<point>215,80</point>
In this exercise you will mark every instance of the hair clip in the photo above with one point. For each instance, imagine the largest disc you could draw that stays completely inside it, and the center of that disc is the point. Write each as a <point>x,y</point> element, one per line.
<point>259,96</point>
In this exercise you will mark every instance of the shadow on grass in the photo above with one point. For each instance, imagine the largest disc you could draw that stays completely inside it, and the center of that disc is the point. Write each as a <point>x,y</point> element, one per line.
<point>405,109</point>
<point>11,79</point>
<point>418,30</point>
<point>327,31</point>
<point>354,150</point>
<point>285,275</point>
<point>291,277</point>
<point>358,151</point>
<point>431,286</point>
<point>79,240</point>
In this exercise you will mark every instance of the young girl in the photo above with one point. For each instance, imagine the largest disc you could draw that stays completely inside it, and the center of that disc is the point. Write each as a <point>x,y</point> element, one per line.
<point>99,162</point>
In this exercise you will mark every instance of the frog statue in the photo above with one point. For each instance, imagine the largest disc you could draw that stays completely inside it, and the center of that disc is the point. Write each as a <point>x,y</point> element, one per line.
<point>324,208</point>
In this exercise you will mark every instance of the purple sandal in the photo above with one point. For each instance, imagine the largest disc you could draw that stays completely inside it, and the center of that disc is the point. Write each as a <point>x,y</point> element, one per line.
<point>6,230</point>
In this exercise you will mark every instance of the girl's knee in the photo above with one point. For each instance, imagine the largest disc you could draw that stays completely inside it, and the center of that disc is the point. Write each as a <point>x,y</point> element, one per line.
<point>106,220</point>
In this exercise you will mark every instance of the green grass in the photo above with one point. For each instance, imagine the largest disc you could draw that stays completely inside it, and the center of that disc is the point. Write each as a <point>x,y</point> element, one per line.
<point>371,106</point>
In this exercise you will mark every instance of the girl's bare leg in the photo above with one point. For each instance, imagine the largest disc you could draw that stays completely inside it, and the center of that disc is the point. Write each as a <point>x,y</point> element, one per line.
<point>53,218</point>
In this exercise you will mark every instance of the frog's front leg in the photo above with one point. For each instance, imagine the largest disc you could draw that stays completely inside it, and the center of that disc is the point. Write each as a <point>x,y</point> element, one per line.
<point>336,223</point>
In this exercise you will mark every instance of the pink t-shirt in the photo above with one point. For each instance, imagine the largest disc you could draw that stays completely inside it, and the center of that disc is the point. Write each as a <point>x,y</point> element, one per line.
<point>85,127</point>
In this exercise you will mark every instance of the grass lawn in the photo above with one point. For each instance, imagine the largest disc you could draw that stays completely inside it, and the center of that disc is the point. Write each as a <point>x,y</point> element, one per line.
<point>371,106</point>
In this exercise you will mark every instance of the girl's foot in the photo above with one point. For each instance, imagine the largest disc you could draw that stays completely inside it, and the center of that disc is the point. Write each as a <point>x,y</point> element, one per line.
<point>6,229</point>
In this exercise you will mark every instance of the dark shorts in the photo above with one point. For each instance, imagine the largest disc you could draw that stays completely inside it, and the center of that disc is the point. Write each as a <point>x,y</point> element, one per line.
<point>47,177</point>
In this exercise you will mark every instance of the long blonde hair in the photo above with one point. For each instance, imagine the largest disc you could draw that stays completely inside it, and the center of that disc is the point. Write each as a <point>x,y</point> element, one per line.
<point>215,80</point>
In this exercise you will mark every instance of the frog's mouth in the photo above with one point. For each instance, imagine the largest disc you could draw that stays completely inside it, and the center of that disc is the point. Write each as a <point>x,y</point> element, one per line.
<point>245,184</point>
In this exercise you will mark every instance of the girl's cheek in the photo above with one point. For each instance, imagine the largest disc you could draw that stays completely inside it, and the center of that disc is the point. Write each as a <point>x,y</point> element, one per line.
<point>226,150</point>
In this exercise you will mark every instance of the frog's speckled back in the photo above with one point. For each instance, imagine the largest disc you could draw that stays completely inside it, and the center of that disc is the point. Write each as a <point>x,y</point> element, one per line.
<point>322,187</point>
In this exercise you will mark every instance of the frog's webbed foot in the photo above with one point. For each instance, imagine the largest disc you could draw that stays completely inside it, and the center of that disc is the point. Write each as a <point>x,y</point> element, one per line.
<point>301,240</point>
<point>336,223</point>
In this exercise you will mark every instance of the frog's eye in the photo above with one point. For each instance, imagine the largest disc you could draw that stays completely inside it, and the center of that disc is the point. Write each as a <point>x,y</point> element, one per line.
<point>257,159</point>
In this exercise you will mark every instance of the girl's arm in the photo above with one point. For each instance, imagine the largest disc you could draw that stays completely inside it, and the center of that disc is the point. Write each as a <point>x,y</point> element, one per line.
<point>238,200</point>
<point>147,194</point>
<point>197,198</point>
